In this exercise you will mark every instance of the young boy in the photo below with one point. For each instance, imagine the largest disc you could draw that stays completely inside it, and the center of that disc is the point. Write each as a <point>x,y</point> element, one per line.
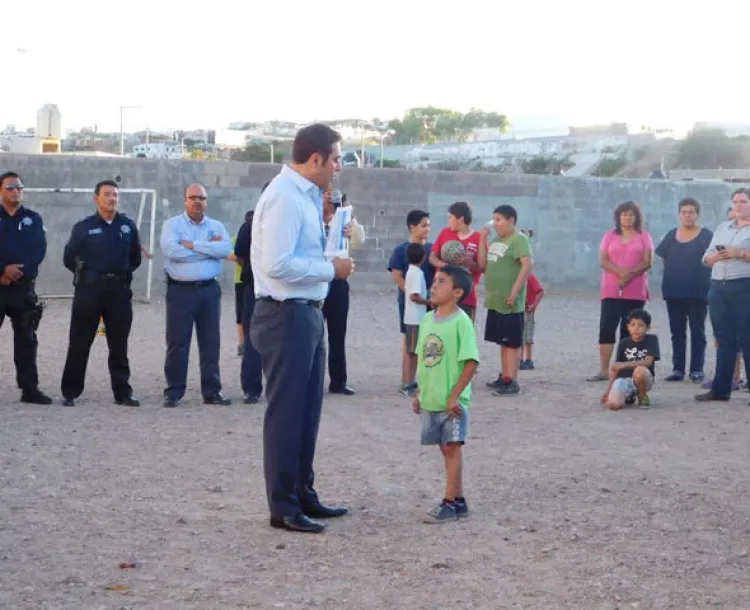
<point>534,294</point>
<point>632,374</point>
<point>415,308</point>
<point>418,223</point>
<point>506,262</point>
<point>448,358</point>
<point>459,229</point>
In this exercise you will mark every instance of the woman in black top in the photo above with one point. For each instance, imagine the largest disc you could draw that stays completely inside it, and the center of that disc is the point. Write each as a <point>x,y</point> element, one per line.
<point>685,285</point>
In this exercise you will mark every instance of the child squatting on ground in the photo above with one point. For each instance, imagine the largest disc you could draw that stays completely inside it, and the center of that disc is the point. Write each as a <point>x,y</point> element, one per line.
<point>632,374</point>
<point>448,357</point>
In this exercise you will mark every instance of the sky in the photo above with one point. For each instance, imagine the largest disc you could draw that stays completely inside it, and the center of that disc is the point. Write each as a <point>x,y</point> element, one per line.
<point>578,62</point>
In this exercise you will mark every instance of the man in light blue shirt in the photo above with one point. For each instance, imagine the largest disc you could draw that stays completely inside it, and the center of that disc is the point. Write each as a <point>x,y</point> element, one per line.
<point>194,246</point>
<point>291,284</point>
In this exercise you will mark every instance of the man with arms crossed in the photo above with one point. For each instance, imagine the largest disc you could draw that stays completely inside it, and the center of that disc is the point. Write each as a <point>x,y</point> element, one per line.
<point>291,284</point>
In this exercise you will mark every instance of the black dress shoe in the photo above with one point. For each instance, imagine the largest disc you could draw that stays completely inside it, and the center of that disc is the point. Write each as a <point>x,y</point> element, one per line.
<point>130,401</point>
<point>297,523</point>
<point>35,397</point>
<point>345,390</point>
<point>251,399</point>
<point>68,402</point>
<point>320,511</point>
<point>217,399</point>
<point>710,397</point>
<point>171,403</point>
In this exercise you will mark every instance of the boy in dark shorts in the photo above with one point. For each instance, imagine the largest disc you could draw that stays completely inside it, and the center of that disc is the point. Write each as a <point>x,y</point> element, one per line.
<point>448,358</point>
<point>418,222</point>
<point>415,307</point>
<point>632,375</point>
<point>506,262</point>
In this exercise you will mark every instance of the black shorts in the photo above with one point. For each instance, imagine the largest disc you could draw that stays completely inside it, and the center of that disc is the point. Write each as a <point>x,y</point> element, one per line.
<point>239,302</point>
<point>401,324</point>
<point>505,329</point>
<point>615,312</point>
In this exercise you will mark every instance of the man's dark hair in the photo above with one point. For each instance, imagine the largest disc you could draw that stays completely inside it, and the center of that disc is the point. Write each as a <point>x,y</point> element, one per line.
<point>507,211</point>
<point>628,206</point>
<point>414,217</point>
<point>315,138</point>
<point>640,314</point>
<point>103,183</point>
<point>4,176</point>
<point>461,209</point>
<point>460,278</point>
<point>689,202</point>
<point>415,254</point>
<point>742,191</point>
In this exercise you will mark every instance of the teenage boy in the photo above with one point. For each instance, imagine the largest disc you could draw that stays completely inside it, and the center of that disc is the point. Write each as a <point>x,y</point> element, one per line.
<point>418,223</point>
<point>506,263</point>
<point>459,229</point>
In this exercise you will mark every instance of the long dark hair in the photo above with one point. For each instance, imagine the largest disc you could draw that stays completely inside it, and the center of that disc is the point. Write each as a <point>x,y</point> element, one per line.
<point>629,206</point>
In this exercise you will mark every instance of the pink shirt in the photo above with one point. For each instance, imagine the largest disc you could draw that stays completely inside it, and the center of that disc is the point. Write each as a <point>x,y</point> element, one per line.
<point>626,256</point>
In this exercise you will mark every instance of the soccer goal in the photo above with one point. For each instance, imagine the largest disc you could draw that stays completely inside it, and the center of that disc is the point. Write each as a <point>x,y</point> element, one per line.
<point>133,202</point>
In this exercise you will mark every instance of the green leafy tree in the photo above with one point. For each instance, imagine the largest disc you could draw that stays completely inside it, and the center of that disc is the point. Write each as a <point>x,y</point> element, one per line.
<point>433,124</point>
<point>710,149</point>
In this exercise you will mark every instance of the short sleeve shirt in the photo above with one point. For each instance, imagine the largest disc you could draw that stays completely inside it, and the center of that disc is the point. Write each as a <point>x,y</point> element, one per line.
<point>398,262</point>
<point>415,284</point>
<point>685,275</point>
<point>444,346</point>
<point>626,256</point>
<point>533,289</point>
<point>471,245</point>
<point>504,256</point>
<point>630,351</point>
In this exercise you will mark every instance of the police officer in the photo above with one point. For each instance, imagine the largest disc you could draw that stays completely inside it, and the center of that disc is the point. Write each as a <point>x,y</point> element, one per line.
<point>23,246</point>
<point>103,251</point>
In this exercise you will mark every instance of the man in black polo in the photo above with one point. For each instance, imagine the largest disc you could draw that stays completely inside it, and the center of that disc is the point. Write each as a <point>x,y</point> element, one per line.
<point>23,246</point>
<point>103,252</point>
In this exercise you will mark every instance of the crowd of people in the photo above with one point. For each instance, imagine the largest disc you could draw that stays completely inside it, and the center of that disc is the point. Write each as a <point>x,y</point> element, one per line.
<point>289,291</point>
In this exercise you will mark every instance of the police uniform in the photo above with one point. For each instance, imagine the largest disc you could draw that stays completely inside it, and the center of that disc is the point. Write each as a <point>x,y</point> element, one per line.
<point>23,241</point>
<point>102,256</point>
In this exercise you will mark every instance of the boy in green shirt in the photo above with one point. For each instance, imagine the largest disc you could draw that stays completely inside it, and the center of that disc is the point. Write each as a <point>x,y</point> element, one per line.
<point>447,360</point>
<point>506,262</point>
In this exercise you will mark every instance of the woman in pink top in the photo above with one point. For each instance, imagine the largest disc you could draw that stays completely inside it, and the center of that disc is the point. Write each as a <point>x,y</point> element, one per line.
<point>625,257</point>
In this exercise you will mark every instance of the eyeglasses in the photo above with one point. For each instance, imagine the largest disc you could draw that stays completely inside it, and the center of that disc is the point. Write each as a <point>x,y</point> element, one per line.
<point>14,187</point>
<point>197,197</point>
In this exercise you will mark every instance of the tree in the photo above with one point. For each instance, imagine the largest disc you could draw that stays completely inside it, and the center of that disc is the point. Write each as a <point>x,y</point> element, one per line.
<point>255,152</point>
<point>432,124</point>
<point>710,149</point>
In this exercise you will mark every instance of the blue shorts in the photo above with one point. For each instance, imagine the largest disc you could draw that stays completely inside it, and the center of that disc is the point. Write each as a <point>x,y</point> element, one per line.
<point>441,428</point>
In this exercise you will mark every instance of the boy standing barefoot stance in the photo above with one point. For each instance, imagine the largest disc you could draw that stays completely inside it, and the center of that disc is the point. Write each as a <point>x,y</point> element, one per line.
<point>632,374</point>
<point>506,262</point>
<point>447,360</point>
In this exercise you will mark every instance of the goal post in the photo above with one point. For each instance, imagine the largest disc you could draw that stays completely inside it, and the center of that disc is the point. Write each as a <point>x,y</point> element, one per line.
<point>147,197</point>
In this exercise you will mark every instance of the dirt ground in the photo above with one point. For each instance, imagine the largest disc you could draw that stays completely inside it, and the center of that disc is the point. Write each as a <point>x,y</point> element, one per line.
<point>572,507</point>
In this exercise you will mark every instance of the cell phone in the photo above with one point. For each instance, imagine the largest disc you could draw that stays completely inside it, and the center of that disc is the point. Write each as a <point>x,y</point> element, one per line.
<point>720,248</point>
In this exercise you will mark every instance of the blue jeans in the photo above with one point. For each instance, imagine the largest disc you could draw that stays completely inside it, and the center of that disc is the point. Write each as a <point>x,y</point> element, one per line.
<point>729,308</point>
<point>684,312</point>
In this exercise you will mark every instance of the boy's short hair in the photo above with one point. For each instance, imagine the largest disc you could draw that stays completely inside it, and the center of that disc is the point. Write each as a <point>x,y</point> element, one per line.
<point>415,253</point>
<point>640,314</point>
<point>414,217</point>
<point>507,211</point>
<point>460,277</point>
<point>461,209</point>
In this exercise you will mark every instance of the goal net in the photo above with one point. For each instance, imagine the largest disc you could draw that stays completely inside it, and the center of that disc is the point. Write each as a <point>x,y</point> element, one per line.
<point>69,205</point>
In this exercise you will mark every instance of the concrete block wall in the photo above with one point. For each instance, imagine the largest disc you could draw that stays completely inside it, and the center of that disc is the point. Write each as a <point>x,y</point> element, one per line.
<point>568,215</point>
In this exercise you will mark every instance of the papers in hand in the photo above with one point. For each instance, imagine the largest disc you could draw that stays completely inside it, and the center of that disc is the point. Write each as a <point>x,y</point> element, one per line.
<point>337,245</point>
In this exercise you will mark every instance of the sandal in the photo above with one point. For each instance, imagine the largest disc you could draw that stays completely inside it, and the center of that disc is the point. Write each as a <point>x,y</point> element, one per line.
<point>598,377</point>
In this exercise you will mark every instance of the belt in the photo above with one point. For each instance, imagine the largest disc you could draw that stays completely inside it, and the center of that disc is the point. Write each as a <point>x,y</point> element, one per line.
<point>307,302</point>
<point>197,283</point>
<point>113,276</point>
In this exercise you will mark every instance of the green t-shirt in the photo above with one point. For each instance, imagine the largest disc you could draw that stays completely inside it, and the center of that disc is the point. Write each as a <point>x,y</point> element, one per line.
<point>443,347</point>
<point>504,256</point>
<point>237,266</point>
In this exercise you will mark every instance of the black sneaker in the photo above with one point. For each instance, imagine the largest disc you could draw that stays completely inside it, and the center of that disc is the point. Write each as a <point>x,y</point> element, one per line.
<point>442,513</point>
<point>507,389</point>
<point>497,383</point>
<point>35,397</point>
<point>462,509</point>
<point>675,376</point>
<point>697,377</point>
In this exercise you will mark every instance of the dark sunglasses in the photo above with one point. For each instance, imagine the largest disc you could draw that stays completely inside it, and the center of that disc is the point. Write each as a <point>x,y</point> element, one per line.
<point>197,198</point>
